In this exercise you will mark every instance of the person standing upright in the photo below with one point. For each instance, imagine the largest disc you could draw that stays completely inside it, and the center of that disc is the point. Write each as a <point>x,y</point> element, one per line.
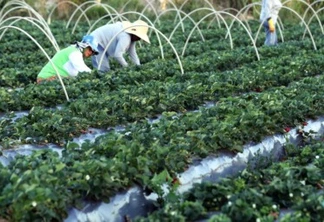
<point>268,17</point>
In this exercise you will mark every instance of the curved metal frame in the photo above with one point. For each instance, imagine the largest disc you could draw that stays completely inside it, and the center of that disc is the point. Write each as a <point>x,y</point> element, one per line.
<point>310,33</point>
<point>106,48</point>
<point>23,5</point>
<point>309,6</point>
<point>47,32</point>
<point>42,49</point>
<point>149,21</point>
<point>228,14</point>
<point>178,14</point>
<point>196,25</point>
<point>91,6</point>
<point>245,9</point>
<point>101,18</point>
<point>207,2</point>
<point>62,2</point>
<point>152,7</point>
<point>316,14</point>
<point>191,19</point>
<point>94,3</point>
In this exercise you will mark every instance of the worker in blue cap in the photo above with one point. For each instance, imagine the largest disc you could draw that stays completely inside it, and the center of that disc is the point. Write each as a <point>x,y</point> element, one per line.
<point>70,61</point>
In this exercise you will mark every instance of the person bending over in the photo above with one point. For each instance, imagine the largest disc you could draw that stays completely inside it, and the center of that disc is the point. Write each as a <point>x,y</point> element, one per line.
<point>122,38</point>
<point>70,61</point>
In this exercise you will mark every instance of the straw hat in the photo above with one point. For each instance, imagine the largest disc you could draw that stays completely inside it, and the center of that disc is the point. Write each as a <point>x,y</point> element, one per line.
<point>138,28</point>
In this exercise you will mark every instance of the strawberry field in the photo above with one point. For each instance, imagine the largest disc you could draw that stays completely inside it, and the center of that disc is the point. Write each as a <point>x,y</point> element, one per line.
<point>202,91</point>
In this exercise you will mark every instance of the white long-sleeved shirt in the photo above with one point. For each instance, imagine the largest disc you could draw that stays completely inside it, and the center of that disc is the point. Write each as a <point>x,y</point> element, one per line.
<point>270,8</point>
<point>76,64</point>
<point>120,44</point>
<point>68,62</point>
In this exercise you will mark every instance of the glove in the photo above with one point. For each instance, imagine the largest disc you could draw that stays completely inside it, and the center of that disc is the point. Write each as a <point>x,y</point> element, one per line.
<point>271,25</point>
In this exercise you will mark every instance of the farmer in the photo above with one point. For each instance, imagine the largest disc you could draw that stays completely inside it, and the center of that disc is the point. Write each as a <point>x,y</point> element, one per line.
<point>69,61</point>
<point>121,37</point>
<point>268,17</point>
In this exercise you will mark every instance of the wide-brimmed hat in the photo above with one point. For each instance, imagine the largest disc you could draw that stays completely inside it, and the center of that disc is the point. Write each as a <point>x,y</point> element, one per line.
<point>138,28</point>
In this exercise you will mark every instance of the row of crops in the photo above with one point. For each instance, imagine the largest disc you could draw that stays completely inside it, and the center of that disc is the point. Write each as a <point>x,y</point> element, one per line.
<point>250,99</point>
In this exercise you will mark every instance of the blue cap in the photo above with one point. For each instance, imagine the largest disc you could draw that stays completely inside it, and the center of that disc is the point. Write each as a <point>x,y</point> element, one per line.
<point>91,41</point>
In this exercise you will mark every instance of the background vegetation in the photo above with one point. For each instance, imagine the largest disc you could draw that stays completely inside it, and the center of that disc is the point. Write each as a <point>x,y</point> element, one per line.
<point>65,8</point>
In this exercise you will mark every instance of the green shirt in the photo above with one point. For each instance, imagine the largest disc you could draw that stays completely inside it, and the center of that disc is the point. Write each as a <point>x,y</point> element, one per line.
<point>60,59</point>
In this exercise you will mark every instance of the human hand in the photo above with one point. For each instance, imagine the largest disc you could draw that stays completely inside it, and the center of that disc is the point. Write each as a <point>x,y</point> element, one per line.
<point>271,25</point>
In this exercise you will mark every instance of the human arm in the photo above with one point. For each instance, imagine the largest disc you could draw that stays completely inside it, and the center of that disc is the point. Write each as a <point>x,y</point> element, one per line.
<point>121,47</point>
<point>269,13</point>
<point>277,5</point>
<point>76,59</point>
<point>265,10</point>
<point>273,16</point>
<point>133,54</point>
<point>271,25</point>
<point>275,8</point>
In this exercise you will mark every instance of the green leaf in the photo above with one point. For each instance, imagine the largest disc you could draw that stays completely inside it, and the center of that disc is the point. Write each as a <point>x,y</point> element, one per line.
<point>72,145</point>
<point>59,167</point>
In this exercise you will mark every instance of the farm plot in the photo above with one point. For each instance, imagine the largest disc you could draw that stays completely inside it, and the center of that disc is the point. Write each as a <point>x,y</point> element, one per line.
<point>251,98</point>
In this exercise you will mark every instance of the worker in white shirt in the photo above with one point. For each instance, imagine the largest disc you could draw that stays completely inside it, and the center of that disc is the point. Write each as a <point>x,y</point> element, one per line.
<point>268,17</point>
<point>122,38</point>
<point>70,61</point>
